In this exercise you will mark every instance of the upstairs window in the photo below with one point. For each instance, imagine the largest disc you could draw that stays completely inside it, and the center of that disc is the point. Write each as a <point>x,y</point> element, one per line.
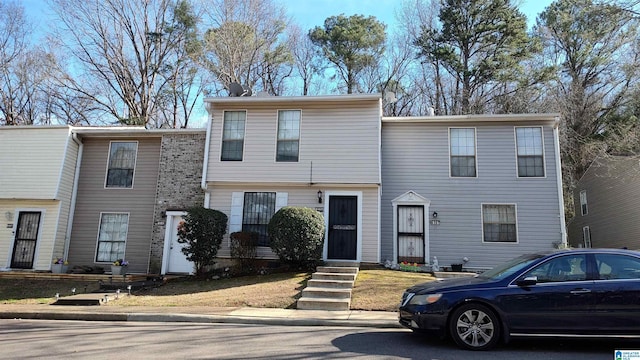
<point>257,211</point>
<point>530,152</point>
<point>499,223</point>
<point>462,152</point>
<point>121,164</point>
<point>233,135</point>
<point>584,207</point>
<point>288,135</point>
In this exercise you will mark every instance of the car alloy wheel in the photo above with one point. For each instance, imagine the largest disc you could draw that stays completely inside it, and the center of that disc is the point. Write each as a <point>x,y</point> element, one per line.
<point>474,327</point>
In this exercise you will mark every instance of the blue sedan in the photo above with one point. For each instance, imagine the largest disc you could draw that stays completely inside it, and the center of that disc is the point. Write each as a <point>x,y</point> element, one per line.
<point>565,293</point>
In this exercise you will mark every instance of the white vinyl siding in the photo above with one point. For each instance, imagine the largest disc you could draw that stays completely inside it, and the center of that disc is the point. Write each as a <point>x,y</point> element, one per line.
<point>31,159</point>
<point>462,152</point>
<point>499,223</point>
<point>288,135</point>
<point>112,236</point>
<point>529,147</point>
<point>233,135</point>
<point>121,164</point>
<point>339,143</point>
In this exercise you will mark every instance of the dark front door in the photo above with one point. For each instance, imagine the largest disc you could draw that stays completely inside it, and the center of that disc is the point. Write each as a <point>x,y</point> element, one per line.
<point>343,229</point>
<point>24,248</point>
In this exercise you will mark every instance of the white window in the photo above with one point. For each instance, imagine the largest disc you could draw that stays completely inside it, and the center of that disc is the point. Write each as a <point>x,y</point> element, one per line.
<point>233,135</point>
<point>530,152</point>
<point>584,208</point>
<point>586,237</point>
<point>112,236</point>
<point>499,223</point>
<point>462,152</point>
<point>121,164</point>
<point>288,135</point>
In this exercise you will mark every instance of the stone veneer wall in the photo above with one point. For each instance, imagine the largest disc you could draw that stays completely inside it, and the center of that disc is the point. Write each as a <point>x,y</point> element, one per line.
<point>179,184</point>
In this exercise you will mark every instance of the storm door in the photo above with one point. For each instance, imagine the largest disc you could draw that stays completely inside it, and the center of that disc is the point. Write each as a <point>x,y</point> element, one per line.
<point>411,233</point>
<point>24,247</point>
<point>343,229</point>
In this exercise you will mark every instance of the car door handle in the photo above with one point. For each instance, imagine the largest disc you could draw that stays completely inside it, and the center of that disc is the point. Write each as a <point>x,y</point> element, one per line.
<point>580,291</point>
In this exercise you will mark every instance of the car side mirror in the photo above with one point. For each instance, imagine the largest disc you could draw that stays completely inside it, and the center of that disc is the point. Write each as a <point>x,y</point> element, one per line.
<point>528,281</point>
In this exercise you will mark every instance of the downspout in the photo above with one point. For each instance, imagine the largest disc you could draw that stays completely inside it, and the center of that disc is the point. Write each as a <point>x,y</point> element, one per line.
<point>205,165</point>
<point>74,194</point>
<point>556,141</point>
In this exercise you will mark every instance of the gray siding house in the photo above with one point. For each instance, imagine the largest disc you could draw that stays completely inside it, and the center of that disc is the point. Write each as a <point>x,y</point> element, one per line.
<point>607,214</point>
<point>482,188</point>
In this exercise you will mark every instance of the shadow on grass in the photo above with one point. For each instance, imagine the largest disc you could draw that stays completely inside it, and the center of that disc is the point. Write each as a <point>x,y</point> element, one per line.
<point>16,290</point>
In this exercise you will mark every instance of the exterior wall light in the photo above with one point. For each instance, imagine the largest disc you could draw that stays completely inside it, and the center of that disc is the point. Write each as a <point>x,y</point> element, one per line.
<point>319,196</point>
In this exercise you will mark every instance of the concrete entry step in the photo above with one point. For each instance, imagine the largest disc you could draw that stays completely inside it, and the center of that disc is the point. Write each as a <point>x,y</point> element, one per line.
<point>323,292</point>
<point>337,269</point>
<point>333,276</point>
<point>336,284</point>
<point>342,263</point>
<point>323,304</point>
<point>89,299</point>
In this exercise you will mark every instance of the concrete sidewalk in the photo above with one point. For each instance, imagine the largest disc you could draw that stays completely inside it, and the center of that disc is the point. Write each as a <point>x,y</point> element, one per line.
<point>243,315</point>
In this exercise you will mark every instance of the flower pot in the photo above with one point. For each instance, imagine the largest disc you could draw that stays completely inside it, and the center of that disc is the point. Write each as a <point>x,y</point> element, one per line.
<point>59,268</point>
<point>118,270</point>
<point>456,267</point>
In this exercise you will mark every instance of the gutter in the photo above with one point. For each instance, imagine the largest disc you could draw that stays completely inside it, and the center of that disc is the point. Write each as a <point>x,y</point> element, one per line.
<point>205,165</point>
<point>74,193</point>
<point>556,141</point>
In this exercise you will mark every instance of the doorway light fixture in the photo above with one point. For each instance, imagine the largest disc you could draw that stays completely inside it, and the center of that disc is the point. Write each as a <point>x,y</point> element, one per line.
<point>319,196</point>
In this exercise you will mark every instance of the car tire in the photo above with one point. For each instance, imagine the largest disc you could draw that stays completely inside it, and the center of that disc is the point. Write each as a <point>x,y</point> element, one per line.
<point>474,327</point>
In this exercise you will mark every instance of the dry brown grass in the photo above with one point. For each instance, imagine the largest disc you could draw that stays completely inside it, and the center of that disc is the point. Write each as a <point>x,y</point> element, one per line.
<point>382,289</point>
<point>374,290</point>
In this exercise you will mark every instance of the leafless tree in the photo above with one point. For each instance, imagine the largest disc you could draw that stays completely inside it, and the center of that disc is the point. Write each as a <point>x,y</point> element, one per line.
<point>243,41</point>
<point>121,50</point>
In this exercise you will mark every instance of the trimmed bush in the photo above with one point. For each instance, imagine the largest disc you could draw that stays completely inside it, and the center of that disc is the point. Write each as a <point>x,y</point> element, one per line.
<point>202,231</point>
<point>296,235</point>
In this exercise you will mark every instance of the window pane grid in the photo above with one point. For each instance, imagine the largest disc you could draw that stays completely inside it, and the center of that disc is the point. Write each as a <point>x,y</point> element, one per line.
<point>122,160</point>
<point>258,209</point>
<point>233,136</point>
<point>112,237</point>
<point>288,135</point>
<point>530,152</point>
<point>499,223</point>
<point>463,152</point>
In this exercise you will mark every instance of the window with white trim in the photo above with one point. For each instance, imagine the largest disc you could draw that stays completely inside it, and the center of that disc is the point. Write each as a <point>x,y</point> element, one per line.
<point>584,207</point>
<point>586,237</point>
<point>530,152</point>
<point>112,236</point>
<point>257,211</point>
<point>233,135</point>
<point>462,152</point>
<point>121,164</point>
<point>499,223</point>
<point>288,135</point>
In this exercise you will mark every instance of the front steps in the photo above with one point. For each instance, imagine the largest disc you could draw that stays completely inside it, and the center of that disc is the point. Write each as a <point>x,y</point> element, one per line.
<point>329,287</point>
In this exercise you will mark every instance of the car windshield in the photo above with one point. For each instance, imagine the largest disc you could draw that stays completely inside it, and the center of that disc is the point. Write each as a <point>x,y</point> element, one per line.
<point>501,271</point>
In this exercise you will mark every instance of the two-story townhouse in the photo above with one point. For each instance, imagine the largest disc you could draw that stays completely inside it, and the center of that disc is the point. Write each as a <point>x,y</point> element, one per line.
<point>482,187</point>
<point>37,173</point>
<point>321,152</point>
<point>606,205</point>
<point>129,179</point>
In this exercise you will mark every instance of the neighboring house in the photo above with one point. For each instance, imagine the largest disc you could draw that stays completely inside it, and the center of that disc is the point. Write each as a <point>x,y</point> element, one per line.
<point>483,187</point>
<point>321,152</point>
<point>37,172</point>
<point>393,189</point>
<point>607,214</point>
<point>129,179</point>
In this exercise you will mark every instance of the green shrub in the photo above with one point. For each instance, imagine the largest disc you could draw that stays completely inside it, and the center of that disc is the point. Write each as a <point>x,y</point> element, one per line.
<point>296,235</point>
<point>244,246</point>
<point>202,231</point>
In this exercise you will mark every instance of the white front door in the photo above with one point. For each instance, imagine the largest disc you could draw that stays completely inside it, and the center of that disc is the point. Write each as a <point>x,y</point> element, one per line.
<point>177,261</point>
